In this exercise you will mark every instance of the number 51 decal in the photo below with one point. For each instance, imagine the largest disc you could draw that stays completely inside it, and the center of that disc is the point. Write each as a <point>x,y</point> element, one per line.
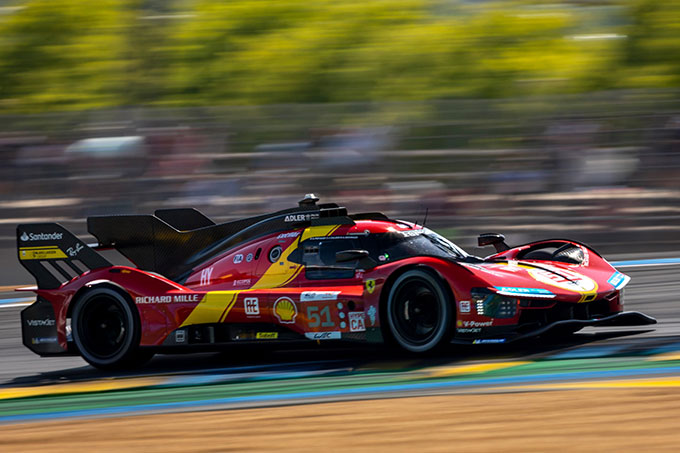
<point>316,318</point>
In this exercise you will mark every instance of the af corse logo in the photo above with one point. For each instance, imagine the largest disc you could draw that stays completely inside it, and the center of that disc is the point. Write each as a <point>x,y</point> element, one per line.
<point>252,306</point>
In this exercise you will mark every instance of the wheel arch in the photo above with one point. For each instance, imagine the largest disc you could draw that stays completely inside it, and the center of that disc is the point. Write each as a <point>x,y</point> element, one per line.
<point>95,284</point>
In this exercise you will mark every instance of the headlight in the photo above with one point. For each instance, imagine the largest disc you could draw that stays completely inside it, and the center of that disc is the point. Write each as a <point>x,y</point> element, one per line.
<point>493,305</point>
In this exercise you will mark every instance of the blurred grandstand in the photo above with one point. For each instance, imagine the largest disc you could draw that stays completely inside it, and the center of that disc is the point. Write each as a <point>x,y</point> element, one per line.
<point>525,168</point>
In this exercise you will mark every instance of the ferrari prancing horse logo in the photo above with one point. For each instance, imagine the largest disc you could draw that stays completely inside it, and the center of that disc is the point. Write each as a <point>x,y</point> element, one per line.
<point>370,285</point>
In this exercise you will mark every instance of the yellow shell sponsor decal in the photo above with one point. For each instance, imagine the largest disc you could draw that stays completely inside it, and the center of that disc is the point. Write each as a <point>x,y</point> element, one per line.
<point>48,252</point>
<point>370,285</point>
<point>285,310</point>
<point>267,335</point>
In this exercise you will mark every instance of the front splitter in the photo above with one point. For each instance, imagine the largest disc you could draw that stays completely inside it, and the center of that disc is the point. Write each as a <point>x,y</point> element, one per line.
<point>625,318</point>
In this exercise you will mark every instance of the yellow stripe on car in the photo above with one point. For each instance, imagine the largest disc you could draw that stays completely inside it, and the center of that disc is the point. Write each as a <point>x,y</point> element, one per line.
<point>283,271</point>
<point>213,308</point>
<point>216,305</point>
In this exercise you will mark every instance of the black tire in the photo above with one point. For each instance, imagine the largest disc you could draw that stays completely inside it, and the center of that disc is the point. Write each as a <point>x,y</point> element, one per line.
<point>419,311</point>
<point>106,330</point>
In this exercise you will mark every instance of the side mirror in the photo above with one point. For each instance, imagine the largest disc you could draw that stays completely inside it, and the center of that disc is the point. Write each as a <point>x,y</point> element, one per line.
<point>495,239</point>
<point>350,255</point>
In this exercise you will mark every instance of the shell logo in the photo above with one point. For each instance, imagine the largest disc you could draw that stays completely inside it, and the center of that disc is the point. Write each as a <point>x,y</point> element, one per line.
<point>285,310</point>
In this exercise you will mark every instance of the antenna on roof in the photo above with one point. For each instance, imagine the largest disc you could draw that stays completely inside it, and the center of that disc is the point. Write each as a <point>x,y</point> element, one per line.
<point>425,219</point>
<point>309,201</point>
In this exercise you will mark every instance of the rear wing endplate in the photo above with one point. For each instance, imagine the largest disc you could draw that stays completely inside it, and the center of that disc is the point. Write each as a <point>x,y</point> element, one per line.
<point>54,255</point>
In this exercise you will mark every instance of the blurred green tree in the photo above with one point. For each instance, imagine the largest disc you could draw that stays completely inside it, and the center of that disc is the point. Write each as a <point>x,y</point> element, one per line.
<point>651,52</point>
<point>61,55</point>
<point>68,54</point>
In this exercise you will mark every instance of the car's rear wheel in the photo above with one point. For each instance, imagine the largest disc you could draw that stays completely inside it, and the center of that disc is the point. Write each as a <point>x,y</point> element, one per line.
<point>418,311</point>
<point>106,330</point>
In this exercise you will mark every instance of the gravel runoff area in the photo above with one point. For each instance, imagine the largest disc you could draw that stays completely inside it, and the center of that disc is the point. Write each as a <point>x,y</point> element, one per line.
<point>629,419</point>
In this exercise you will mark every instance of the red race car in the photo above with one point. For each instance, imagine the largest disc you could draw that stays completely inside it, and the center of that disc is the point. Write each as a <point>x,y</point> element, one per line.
<point>312,272</point>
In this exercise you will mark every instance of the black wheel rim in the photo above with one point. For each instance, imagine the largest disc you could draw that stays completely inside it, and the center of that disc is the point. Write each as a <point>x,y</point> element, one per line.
<point>104,326</point>
<point>416,312</point>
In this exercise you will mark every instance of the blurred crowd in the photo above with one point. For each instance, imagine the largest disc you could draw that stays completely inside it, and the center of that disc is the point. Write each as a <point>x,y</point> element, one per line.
<point>529,117</point>
<point>585,171</point>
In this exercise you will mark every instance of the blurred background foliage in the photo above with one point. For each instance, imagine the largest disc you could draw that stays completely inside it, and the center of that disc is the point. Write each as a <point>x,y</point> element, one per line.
<point>60,55</point>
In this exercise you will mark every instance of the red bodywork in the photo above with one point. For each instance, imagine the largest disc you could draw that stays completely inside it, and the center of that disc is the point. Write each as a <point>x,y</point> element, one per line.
<point>260,291</point>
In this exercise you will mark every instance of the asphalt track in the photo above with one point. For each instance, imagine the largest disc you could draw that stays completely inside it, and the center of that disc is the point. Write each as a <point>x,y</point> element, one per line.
<point>33,388</point>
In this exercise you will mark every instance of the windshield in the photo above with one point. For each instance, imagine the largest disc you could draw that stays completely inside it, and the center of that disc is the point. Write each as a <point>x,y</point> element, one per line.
<point>398,245</point>
<point>443,243</point>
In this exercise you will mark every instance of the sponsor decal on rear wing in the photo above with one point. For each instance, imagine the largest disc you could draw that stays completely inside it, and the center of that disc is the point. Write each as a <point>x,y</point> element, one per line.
<point>54,255</point>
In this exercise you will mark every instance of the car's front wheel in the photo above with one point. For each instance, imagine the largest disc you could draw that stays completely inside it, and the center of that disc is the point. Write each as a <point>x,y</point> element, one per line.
<point>418,311</point>
<point>106,330</point>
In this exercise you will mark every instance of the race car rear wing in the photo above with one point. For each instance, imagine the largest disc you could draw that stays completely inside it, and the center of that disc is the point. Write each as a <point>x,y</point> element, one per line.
<point>54,255</point>
<point>184,219</point>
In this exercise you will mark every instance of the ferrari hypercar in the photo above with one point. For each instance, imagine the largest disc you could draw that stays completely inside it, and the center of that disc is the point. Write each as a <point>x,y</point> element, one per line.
<point>309,273</point>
